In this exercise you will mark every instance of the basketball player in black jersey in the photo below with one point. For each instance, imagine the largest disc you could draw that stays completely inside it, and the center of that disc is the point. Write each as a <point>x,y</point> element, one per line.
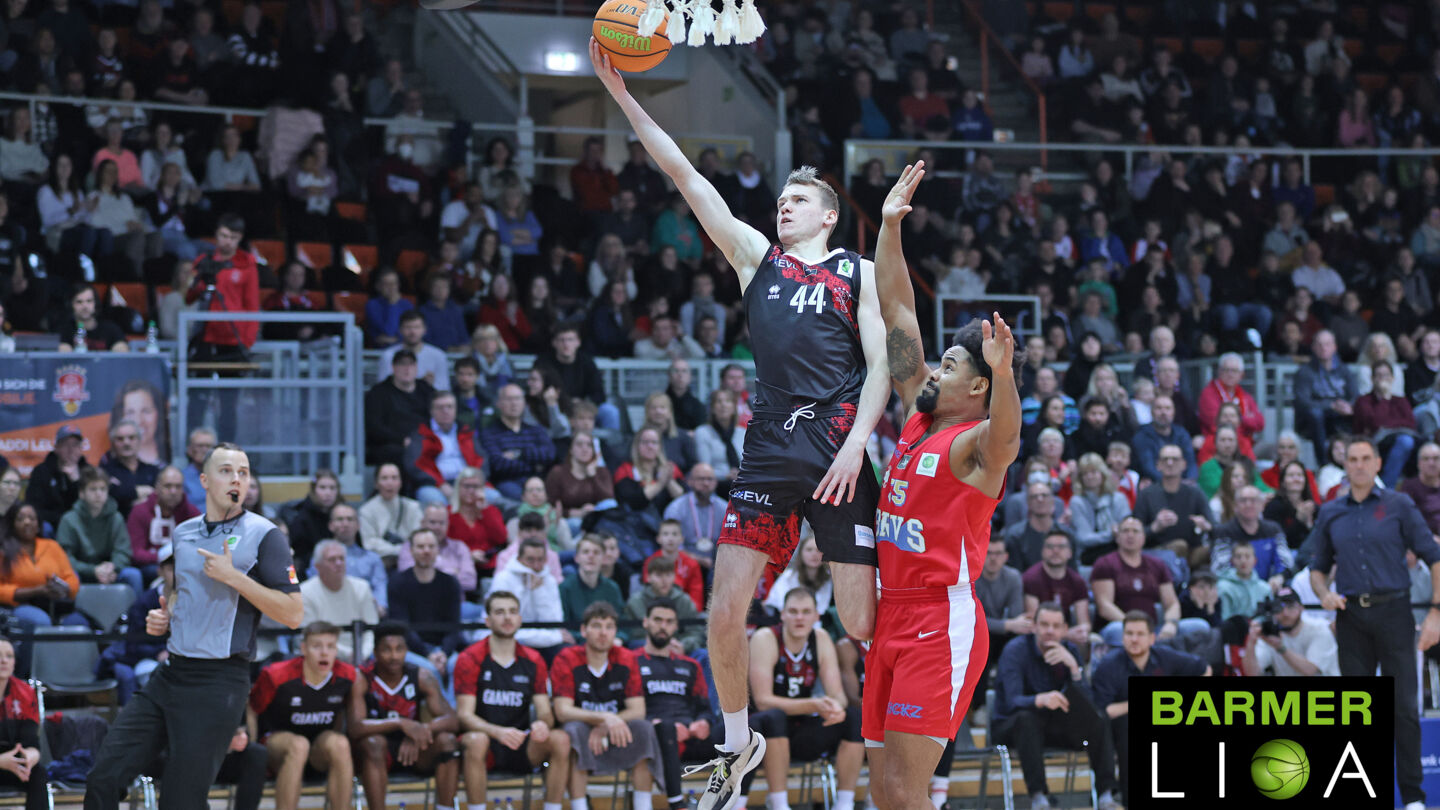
<point>391,733</point>
<point>677,700</point>
<point>821,385</point>
<point>299,710</point>
<point>800,701</point>
<point>497,682</point>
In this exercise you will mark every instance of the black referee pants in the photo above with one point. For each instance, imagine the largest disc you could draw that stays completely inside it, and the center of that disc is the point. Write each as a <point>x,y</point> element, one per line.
<point>1384,636</point>
<point>189,709</point>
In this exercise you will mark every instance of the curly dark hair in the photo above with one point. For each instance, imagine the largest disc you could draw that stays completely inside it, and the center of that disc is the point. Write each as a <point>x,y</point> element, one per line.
<point>972,340</point>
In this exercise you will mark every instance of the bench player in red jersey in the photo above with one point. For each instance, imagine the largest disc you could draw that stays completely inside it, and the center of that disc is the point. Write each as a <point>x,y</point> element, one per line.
<point>962,431</point>
<point>820,387</point>
<point>392,731</point>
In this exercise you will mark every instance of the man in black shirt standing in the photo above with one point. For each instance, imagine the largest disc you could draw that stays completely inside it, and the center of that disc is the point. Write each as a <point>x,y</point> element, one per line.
<point>497,681</point>
<point>677,699</point>
<point>1362,537</point>
<point>394,408</point>
<point>579,376</point>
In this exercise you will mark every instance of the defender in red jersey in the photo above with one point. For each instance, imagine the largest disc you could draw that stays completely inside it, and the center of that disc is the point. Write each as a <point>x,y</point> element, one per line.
<point>962,431</point>
<point>814,321</point>
<point>392,731</point>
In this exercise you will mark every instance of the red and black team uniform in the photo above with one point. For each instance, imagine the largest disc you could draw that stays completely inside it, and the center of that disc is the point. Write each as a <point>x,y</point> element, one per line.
<point>808,374</point>
<point>676,692</point>
<point>603,691</point>
<point>283,701</point>
<point>795,676</point>
<point>20,723</point>
<point>399,702</point>
<point>932,531</point>
<point>503,696</point>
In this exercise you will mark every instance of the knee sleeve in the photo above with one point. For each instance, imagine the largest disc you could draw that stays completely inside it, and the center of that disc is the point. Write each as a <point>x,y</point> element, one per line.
<point>769,723</point>
<point>852,724</point>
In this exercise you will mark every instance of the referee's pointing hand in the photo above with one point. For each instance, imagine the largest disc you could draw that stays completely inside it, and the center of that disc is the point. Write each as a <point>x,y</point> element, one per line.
<point>220,568</point>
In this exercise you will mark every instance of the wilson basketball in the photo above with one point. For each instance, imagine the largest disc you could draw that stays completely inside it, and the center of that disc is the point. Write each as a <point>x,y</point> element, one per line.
<point>617,25</point>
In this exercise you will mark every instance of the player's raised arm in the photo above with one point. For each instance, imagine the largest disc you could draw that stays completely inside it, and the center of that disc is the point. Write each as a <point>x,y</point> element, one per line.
<point>742,245</point>
<point>903,346</point>
<point>997,440</point>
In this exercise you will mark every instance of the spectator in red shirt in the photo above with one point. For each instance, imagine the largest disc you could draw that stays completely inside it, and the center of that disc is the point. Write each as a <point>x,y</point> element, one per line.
<point>1053,580</point>
<point>1386,417</point>
<point>228,281</point>
<point>1226,388</point>
<point>688,573</point>
<point>920,105</point>
<point>592,184</point>
<point>477,523</point>
<point>152,521</point>
<point>440,451</point>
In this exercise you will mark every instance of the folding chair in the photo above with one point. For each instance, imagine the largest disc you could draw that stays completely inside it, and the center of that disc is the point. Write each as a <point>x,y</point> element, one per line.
<point>1003,751</point>
<point>105,604</point>
<point>1072,763</point>
<point>68,667</point>
<point>44,740</point>
<point>823,770</point>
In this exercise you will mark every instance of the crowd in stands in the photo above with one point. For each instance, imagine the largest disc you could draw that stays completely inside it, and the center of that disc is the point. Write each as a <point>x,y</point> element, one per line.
<point>1149,529</point>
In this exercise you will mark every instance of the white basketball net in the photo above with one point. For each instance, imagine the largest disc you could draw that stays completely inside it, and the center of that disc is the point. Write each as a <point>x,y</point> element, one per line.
<point>740,24</point>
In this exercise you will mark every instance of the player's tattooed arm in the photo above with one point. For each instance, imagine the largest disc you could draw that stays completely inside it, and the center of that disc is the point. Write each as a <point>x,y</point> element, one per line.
<point>903,351</point>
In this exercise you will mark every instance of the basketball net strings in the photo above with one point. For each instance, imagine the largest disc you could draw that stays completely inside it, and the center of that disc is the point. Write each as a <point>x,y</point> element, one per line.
<point>738,24</point>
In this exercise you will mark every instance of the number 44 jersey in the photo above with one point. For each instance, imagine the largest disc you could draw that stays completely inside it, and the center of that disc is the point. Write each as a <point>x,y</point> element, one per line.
<point>804,329</point>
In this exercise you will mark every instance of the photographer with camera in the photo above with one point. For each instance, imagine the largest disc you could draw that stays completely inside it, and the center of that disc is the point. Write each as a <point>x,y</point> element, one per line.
<point>226,280</point>
<point>1284,640</point>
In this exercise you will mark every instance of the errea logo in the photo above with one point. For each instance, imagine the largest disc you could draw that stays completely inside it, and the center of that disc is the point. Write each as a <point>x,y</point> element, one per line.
<point>774,293</point>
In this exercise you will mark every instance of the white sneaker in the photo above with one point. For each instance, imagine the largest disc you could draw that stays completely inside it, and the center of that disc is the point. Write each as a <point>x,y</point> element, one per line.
<point>1107,802</point>
<point>727,771</point>
<point>1415,806</point>
<point>1040,801</point>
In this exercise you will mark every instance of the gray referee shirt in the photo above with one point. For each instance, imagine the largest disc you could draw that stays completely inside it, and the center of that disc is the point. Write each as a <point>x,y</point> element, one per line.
<point>211,620</point>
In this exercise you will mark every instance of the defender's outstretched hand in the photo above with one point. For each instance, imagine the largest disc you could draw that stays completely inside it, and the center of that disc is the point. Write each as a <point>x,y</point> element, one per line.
<point>609,76</point>
<point>998,343</point>
<point>897,202</point>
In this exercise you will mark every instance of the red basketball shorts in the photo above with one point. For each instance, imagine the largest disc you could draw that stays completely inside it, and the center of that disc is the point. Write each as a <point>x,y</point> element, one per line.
<point>929,653</point>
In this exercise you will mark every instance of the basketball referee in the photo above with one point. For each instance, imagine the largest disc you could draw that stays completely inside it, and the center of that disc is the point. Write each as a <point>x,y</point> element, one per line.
<point>230,567</point>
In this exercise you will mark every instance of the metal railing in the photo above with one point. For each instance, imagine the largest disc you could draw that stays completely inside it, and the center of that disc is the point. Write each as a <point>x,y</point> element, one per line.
<point>1022,312</point>
<point>301,409</point>
<point>990,40</point>
<point>896,153</point>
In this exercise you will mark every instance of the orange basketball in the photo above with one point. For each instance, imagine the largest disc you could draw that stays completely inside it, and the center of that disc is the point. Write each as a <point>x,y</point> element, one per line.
<point>616,29</point>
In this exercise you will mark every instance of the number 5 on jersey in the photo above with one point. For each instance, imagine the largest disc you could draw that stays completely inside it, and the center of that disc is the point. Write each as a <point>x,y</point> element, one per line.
<point>816,299</point>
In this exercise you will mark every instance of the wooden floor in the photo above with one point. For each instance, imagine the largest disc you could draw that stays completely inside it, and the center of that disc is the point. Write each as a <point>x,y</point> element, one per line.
<point>964,791</point>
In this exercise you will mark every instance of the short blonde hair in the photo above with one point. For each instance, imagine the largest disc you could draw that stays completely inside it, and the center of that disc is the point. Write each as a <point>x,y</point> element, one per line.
<point>810,176</point>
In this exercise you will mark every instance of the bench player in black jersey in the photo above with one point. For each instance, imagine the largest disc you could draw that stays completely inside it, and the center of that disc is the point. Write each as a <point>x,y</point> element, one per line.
<point>497,683</point>
<point>677,701</point>
<point>787,662</point>
<point>601,704</point>
<point>299,710</point>
<point>392,732</point>
<point>821,384</point>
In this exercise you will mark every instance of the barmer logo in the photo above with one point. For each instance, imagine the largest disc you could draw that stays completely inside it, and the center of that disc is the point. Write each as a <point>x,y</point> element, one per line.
<point>1193,741</point>
<point>1280,769</point>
